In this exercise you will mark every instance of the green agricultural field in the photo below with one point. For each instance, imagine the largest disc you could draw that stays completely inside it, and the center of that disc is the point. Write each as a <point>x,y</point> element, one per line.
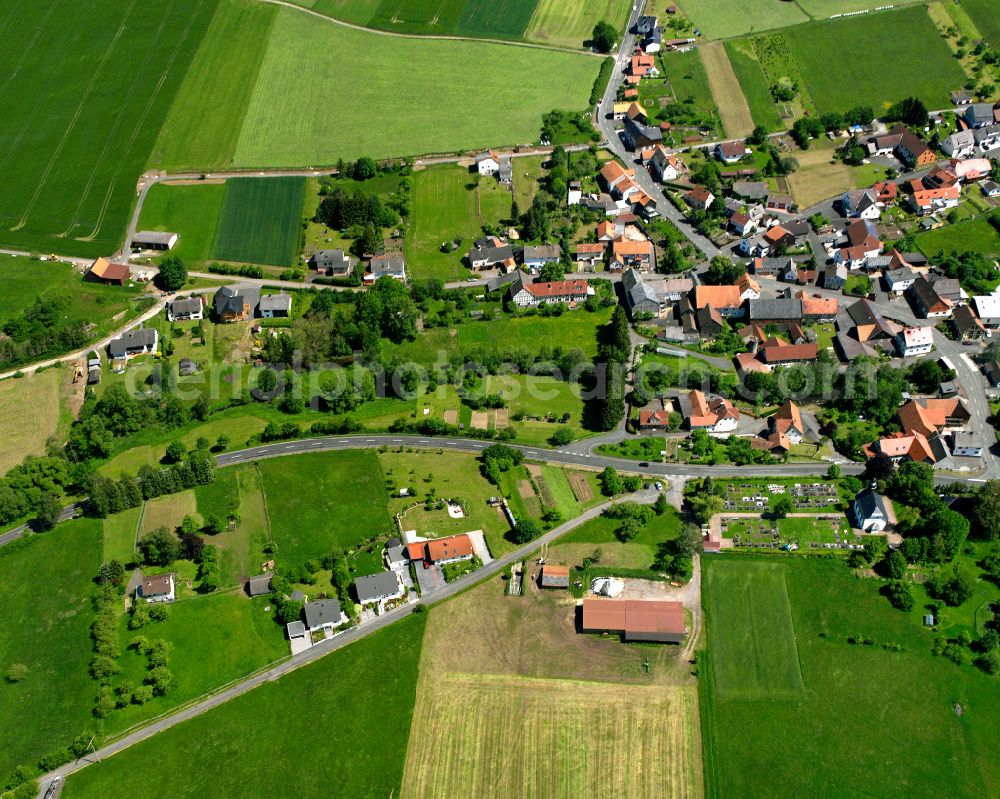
<point>261,219</point>
<point>35,397</point>
<point>358,12</point>
<point>754,84</point>
<point>751,635</point>
<point>689,81</point>
<point>856,699</point>
<point>506,19</point>
<point>381,85</point>
<point>984,15</point>
<point>46,600</point>
<point>324,501</point>
<point>574,329</point>
<point>721,19</point>
<point>204,122</point>
<point>922,65</point>
<point>971,234</point>
<point>599,533</point>
<point>119,531</point>
<point>570,24</point>
<point>190,210</point>
<point>326,703</point>
<point>80,120</point>
<point>821,9</point>
<point>214,639</point>
<point>446,206</point>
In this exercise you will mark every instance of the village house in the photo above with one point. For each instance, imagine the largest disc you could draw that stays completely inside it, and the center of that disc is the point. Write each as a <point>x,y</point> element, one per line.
<point>782,203</point>
<point>926,301</point>
<point>785,428</point>
<point>627,253</point>
<point>142,341</point>
<point>818,310</point>
<point>643,66</point>
<point>699,198</point>
<point>489,253</point>
<point>905,145</point>
<point>235,304</point>
<point>331,262</point>
<point>966,325</point>
<point>641,298</point>
<point>774,353</point>
<point>748,287</point>
<point>725,299</point>
<point>978,115</point>
<point>862,330</point>
<point>487,163</point>
<point>379,587</point>
<point>988,138</point>
<point>588,256</point>
<point>275,306</point>
<point>771,267</point>
<point>861,243</point>
<point>860,204</point>
<point>932,415</point>
<point>775,311</point>
<point>156,588</point>
<point>536,256</point>
<point>441,550</point>
<point>663,165</point>
<point>834,277</point>
<point>638,135</point>
<point>526,294</point>
<point>393,266</point>
<point>730,152</point>
<point>191,308</point>
<point>988,309</point>
<point>712,413</point>
<point>323,614</point>
<point>960,144</point>
<point>886,192</point>
<point>912,341</point>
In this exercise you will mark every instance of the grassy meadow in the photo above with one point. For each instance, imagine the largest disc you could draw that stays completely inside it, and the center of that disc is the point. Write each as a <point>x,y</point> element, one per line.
<point>47,616</point>
<point>314,710</point>
<point>30,409</point>
<point>570,24</point>
<point>304,111</point>
<point>922,65</point>
<point>447,204</point>
<point>970,234</point>
<point>80,123</point>
<point>323,501</point>
<point>722,19</point>
<point>984,15</point>
<point>754,84</point>
<point>190,210</point>
<point>830,738</point>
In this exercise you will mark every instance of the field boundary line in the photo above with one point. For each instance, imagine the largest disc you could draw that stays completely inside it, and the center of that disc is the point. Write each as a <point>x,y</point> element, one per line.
<point>263,496</point>
<point>431,36</point>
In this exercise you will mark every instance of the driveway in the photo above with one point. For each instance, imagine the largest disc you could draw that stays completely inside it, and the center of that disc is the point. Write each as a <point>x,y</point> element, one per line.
<point>480,547</point>
<point>431,579</point>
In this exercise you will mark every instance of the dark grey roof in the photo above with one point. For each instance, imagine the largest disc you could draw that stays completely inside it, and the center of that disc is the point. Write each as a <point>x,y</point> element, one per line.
<point>781,308</point>
<point>153,237</point>
<point>533,252</point>
<point>373,587</point>
<point>637,290</point>
<point>295,629</point>
<point>186,366</point>
<point>388,265</point>
<point>298,596</point>
<point>635,129</point>
<point>978,113</point>
<point>869,504</point>
<point>323,611</point>
<point>502,280</point>
<point>144,337</point>
<point>276,302</point>
<point>750,189</point>
<point>260,584</point>
<point>187,306</point>
<point>232,299</point>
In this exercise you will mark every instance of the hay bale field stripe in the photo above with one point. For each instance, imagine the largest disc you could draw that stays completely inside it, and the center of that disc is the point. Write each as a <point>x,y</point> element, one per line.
<point>726,91</point>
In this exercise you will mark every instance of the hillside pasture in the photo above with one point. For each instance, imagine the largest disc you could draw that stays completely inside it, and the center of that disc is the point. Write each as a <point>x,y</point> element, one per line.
<point>734,110</point>
<point>46,600</point>
<point>189,210</point>
<point>204,122</point>
<point>566,23</point>
<point>29,414</point>
<point>722,19</point>
<point>922,65</point>
<point>550,738</point>
<point>315,78</point>
<point>261,219</point>
<point>856,698</point>
<point>751,634</point>
<point>323,501</point>
<point>80,122</point>
<point>328,702</point>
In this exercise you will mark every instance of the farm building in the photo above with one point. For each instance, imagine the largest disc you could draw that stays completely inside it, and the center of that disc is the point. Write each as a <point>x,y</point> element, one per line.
<point>555,577</point>
<point>635,619</point>
<point>104,271</point>
<point>154,240</point>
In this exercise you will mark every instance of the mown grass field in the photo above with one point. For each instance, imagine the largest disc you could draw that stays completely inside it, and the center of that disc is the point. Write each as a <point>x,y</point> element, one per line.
<point>820,9</point>
<point>550,738</point>
<point>307,110</point>
<point>722,19</point>
<point>726,90</point>
<point>47,615</point>
<point>984,15</point>
<point>577,328</point>
<point>119,535</point>
<point>922,65</point>
<point>447,205</point>
<point>971,234</point>
<point>638,553</point>
<point>29,414</point>
<point>80,123</point>
<point>323,501</point>
<point>192,211</point>
<point>204,122</point>
<point>751,636</point>
<point>570,24</point>
<point>214,639</point>
<point>168,511</point>
<point>331,703</point>
<point>754,84</point>
<point>260,221</point>
<point>831,740</point>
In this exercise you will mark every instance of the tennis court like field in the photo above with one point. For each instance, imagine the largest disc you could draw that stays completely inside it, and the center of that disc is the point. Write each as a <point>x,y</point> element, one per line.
<point>260,222</point>
<point>750,631</point>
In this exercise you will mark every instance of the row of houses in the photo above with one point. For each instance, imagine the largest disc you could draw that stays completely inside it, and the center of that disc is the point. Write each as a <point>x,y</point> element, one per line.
<point>933,430</point>
<point>337,263</point>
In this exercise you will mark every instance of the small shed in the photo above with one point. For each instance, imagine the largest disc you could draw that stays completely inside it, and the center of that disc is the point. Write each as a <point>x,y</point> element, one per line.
<point>555,577</point>
<point>259,585</point>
